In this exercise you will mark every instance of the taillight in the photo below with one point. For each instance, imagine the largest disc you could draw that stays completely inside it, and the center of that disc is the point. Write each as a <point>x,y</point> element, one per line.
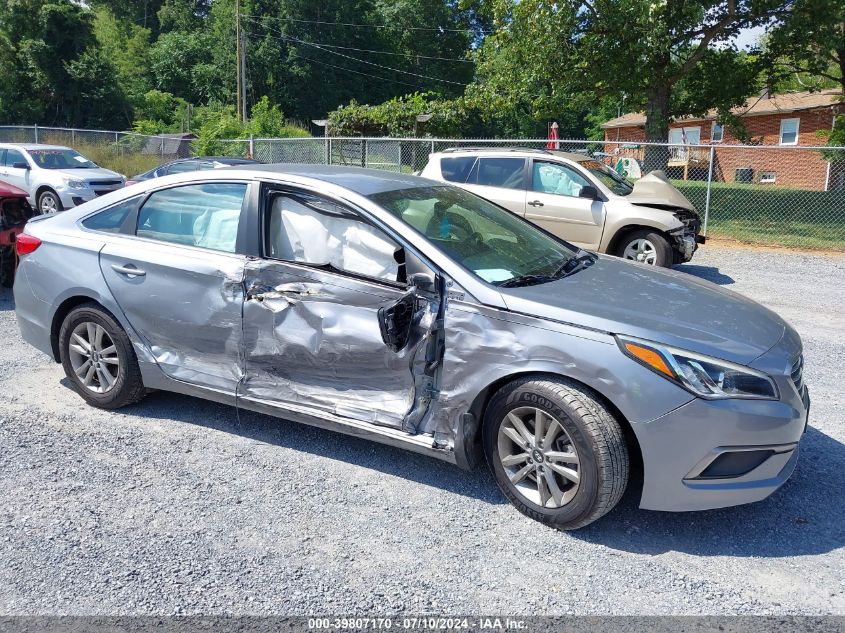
<point>26,244</point>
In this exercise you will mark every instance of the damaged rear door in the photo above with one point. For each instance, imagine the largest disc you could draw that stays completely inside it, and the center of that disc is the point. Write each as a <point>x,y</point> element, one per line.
<point>332,328</point>
<point>176,272</point>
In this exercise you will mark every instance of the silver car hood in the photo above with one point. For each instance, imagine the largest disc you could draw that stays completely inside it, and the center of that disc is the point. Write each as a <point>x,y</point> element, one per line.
<point>655,190</point>
<point>97,173</point>
<point>660,305</point>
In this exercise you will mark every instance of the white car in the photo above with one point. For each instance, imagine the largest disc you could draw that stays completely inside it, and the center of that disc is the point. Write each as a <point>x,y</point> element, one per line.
<point>55,177</point>
<point>579,199</point>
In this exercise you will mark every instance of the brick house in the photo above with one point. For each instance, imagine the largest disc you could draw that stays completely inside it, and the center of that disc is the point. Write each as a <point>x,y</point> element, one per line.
<point>776,125</point>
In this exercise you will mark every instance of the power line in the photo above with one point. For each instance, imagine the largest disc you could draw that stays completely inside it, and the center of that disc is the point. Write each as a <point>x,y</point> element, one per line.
<point>437,29</point>
<point>357,72</point>
<point>369,50</point>
<point>288,38</point>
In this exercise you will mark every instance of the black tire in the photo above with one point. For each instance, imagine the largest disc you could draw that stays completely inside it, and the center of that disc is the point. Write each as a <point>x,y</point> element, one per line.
<point>8,264</point>
<point>663,251</point>
<point>49,193</point>
<point>594,433</point>
<point>128,386</point>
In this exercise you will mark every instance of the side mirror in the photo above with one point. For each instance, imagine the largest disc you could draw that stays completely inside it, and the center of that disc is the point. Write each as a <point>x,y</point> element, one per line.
<point>422,281</point>
<point>21,165</point>
<point>589,192</point>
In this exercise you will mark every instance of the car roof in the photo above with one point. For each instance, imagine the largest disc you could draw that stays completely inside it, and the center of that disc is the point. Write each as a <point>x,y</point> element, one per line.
<point>362,181</point>
<point>508,151</point>
<point>229,160</point>
<point>31,146</point>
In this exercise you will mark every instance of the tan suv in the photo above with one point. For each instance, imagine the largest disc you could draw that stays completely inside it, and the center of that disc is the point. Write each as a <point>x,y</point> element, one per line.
<point>579,199</point>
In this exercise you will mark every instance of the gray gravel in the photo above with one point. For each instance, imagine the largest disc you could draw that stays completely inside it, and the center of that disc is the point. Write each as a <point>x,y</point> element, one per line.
<point>176,506</point>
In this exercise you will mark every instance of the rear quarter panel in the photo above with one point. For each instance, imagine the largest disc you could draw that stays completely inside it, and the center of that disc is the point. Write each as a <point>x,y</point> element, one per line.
<point>66,265</point>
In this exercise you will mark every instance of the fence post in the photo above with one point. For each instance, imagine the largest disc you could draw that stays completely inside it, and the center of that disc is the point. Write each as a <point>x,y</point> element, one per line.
<point>329,155</point>
<point>364,155</point>
<point>73,136</point>
<point>709,185</point>
<point>251,146</point>
<point>35,127</point>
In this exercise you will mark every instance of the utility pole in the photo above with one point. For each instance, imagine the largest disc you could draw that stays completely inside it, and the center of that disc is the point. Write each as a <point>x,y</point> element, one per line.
<point>244,111</point>
<point>238,53</point>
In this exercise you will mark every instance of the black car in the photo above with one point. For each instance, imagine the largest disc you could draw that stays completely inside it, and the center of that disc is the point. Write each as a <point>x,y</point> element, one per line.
<point>198,163</point>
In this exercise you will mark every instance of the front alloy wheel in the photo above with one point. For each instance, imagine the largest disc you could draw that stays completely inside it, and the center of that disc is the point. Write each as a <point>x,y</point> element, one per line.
<point>646,247</point>
<point>539,457</point>
<point>641,250</point>
<point>557,452</point>
<point>48,202</point>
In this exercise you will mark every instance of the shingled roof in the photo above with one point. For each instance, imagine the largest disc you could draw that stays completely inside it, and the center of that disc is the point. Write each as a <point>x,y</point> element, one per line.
<point>754,106</point>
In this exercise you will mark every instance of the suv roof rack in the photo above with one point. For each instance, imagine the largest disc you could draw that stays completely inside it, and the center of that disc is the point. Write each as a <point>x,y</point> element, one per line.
<point>498,149</point>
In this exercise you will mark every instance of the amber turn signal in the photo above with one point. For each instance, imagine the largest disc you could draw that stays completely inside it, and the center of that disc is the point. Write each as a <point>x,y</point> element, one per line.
<point>650,358</point>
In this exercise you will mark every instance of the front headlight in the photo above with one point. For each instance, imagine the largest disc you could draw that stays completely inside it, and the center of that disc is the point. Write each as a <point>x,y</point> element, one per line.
<point>703,376</point>
<point>73,183</point>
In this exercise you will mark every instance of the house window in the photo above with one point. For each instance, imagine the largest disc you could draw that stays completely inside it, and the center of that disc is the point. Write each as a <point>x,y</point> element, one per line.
<point>717,134</point>
<point>789,131</point>
<point>768,177</point>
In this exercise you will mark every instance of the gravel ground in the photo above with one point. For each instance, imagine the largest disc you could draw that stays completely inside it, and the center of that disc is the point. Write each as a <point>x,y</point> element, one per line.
<point>175,506</point>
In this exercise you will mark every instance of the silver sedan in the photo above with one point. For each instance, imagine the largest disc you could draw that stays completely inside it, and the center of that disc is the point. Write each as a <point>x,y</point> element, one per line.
<point>417,314</point>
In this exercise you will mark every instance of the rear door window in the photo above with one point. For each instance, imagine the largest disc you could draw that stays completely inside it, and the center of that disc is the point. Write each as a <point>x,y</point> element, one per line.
<point>204,215</point>
<point>499,172</point>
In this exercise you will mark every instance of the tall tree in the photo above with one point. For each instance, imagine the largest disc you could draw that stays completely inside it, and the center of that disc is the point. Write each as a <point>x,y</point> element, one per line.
<point>670,58</point>
<point>810,40</point>
<point>51,56</point>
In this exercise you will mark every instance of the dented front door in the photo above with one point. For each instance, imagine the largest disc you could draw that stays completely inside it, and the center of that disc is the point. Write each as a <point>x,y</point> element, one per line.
<point>313,343</point>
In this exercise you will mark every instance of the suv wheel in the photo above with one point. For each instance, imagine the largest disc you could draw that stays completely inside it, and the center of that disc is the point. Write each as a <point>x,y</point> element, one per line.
<point>556,451</point>
<point>49,202</point>
<point>647,247</point>
<point>98,358</point>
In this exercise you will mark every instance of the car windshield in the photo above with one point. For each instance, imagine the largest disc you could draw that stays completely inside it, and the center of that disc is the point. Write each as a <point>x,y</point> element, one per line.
<point>609,178</point>
<point>60,159</point>
<point>487,240</point>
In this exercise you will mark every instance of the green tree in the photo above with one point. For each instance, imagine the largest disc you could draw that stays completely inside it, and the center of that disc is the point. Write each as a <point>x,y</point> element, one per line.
<point>670,58</point>
<point>51,59</point>
<point>810,41</point>
<point>127,45</point>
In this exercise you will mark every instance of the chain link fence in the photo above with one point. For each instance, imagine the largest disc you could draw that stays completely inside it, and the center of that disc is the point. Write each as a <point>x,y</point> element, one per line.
<point>127,153</point>
<point>764,194</point>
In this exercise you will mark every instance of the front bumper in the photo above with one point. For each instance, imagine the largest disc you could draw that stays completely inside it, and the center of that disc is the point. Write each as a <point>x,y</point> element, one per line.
<point>717,453</point>
<point>74,197</point>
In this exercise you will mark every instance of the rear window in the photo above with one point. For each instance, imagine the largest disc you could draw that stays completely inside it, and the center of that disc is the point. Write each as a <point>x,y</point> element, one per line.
<point>110,220</point>
<point>456,168</point>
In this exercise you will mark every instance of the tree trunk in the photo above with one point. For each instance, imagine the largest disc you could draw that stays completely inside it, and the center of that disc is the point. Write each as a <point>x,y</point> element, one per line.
<point>657,127</point>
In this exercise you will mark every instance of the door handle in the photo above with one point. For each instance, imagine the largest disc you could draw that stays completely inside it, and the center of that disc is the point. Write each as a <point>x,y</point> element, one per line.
<point>536,203</point>
<point>128,270</point>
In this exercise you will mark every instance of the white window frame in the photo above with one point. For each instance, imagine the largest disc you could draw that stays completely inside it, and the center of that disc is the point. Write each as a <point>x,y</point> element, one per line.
<point>768,177</point>
<point>797,129</point>
<point>713,132</point>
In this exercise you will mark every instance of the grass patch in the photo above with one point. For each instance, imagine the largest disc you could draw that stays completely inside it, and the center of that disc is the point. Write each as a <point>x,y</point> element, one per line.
<point>761,214</point>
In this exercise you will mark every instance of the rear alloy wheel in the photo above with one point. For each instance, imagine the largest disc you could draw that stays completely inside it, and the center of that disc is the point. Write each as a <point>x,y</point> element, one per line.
<point>646,247</point>
<point>98,358</point>
<point>49,202</point>
<point>556,451</point>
